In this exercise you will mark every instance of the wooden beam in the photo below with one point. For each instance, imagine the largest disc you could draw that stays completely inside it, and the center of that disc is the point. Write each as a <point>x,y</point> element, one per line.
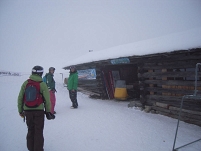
<point>172,82</point>
<point>170,74</point>
<point>172,65</point>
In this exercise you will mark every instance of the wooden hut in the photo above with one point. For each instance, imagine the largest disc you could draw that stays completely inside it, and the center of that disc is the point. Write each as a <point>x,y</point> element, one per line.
<point>157,80</point>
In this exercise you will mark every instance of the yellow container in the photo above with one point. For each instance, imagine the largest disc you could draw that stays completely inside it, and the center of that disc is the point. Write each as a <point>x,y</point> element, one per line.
<point>120,93</point>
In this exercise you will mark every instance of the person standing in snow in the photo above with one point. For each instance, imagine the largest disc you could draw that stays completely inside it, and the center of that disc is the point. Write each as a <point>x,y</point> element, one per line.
<point>72,86</point>
<point>34,114</point>
<point>51,86</point>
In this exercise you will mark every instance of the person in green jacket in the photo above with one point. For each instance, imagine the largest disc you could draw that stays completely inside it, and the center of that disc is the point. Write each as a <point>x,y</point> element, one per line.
<point>51,86</point>
<point>72,86</point>
<point>35,114</point>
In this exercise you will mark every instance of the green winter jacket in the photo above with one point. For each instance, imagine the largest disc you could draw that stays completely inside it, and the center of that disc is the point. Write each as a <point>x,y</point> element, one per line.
<point>72,81</point>
<point>50,81</point>
<point>43,90</point>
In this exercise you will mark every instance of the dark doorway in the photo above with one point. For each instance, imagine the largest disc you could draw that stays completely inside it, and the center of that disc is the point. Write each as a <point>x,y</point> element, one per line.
<point>127,72</point>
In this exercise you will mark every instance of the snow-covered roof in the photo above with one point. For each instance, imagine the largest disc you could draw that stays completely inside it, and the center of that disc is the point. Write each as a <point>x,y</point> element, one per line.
<point>172,42</point>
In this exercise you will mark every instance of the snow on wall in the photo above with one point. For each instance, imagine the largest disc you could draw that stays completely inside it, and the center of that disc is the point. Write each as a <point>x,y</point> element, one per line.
<point>172,42</point>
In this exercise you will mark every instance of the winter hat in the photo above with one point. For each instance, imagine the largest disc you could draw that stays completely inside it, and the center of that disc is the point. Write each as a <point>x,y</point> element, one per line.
<point>51,68</point>
<point>72,67</point>
<point>37,70</point>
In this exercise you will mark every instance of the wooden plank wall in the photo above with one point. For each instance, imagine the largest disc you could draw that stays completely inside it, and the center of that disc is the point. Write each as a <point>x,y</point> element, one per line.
<point>94,88</point>
<point>165,79</point>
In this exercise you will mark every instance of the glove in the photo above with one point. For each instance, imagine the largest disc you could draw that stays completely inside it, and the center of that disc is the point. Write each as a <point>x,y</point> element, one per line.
<point>50,116</point>
<point>22,114</point>
<point>54,90</point>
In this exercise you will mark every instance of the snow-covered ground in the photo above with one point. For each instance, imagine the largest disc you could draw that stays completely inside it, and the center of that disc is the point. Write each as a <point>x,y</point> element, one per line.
<point>97,125</point>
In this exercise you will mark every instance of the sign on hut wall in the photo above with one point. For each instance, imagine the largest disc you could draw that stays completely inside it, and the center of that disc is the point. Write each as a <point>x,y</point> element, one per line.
<point>120,61</point>
<point>87,74</point>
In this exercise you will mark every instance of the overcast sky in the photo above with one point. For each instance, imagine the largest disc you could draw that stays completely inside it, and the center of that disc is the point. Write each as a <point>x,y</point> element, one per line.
<point>52,32</point>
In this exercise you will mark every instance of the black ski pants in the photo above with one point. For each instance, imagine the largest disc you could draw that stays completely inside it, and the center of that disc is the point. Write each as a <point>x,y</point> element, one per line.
<point>35,124</point>
<point>73,97</point>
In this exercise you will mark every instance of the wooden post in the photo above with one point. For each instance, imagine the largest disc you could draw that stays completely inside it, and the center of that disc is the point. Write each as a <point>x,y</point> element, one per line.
<point>142,85</point>
<point>164,86</point>
<point>151,85</point>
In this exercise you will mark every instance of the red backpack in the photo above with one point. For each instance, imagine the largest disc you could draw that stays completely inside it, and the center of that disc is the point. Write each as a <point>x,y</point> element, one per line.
<point>32,95</point>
